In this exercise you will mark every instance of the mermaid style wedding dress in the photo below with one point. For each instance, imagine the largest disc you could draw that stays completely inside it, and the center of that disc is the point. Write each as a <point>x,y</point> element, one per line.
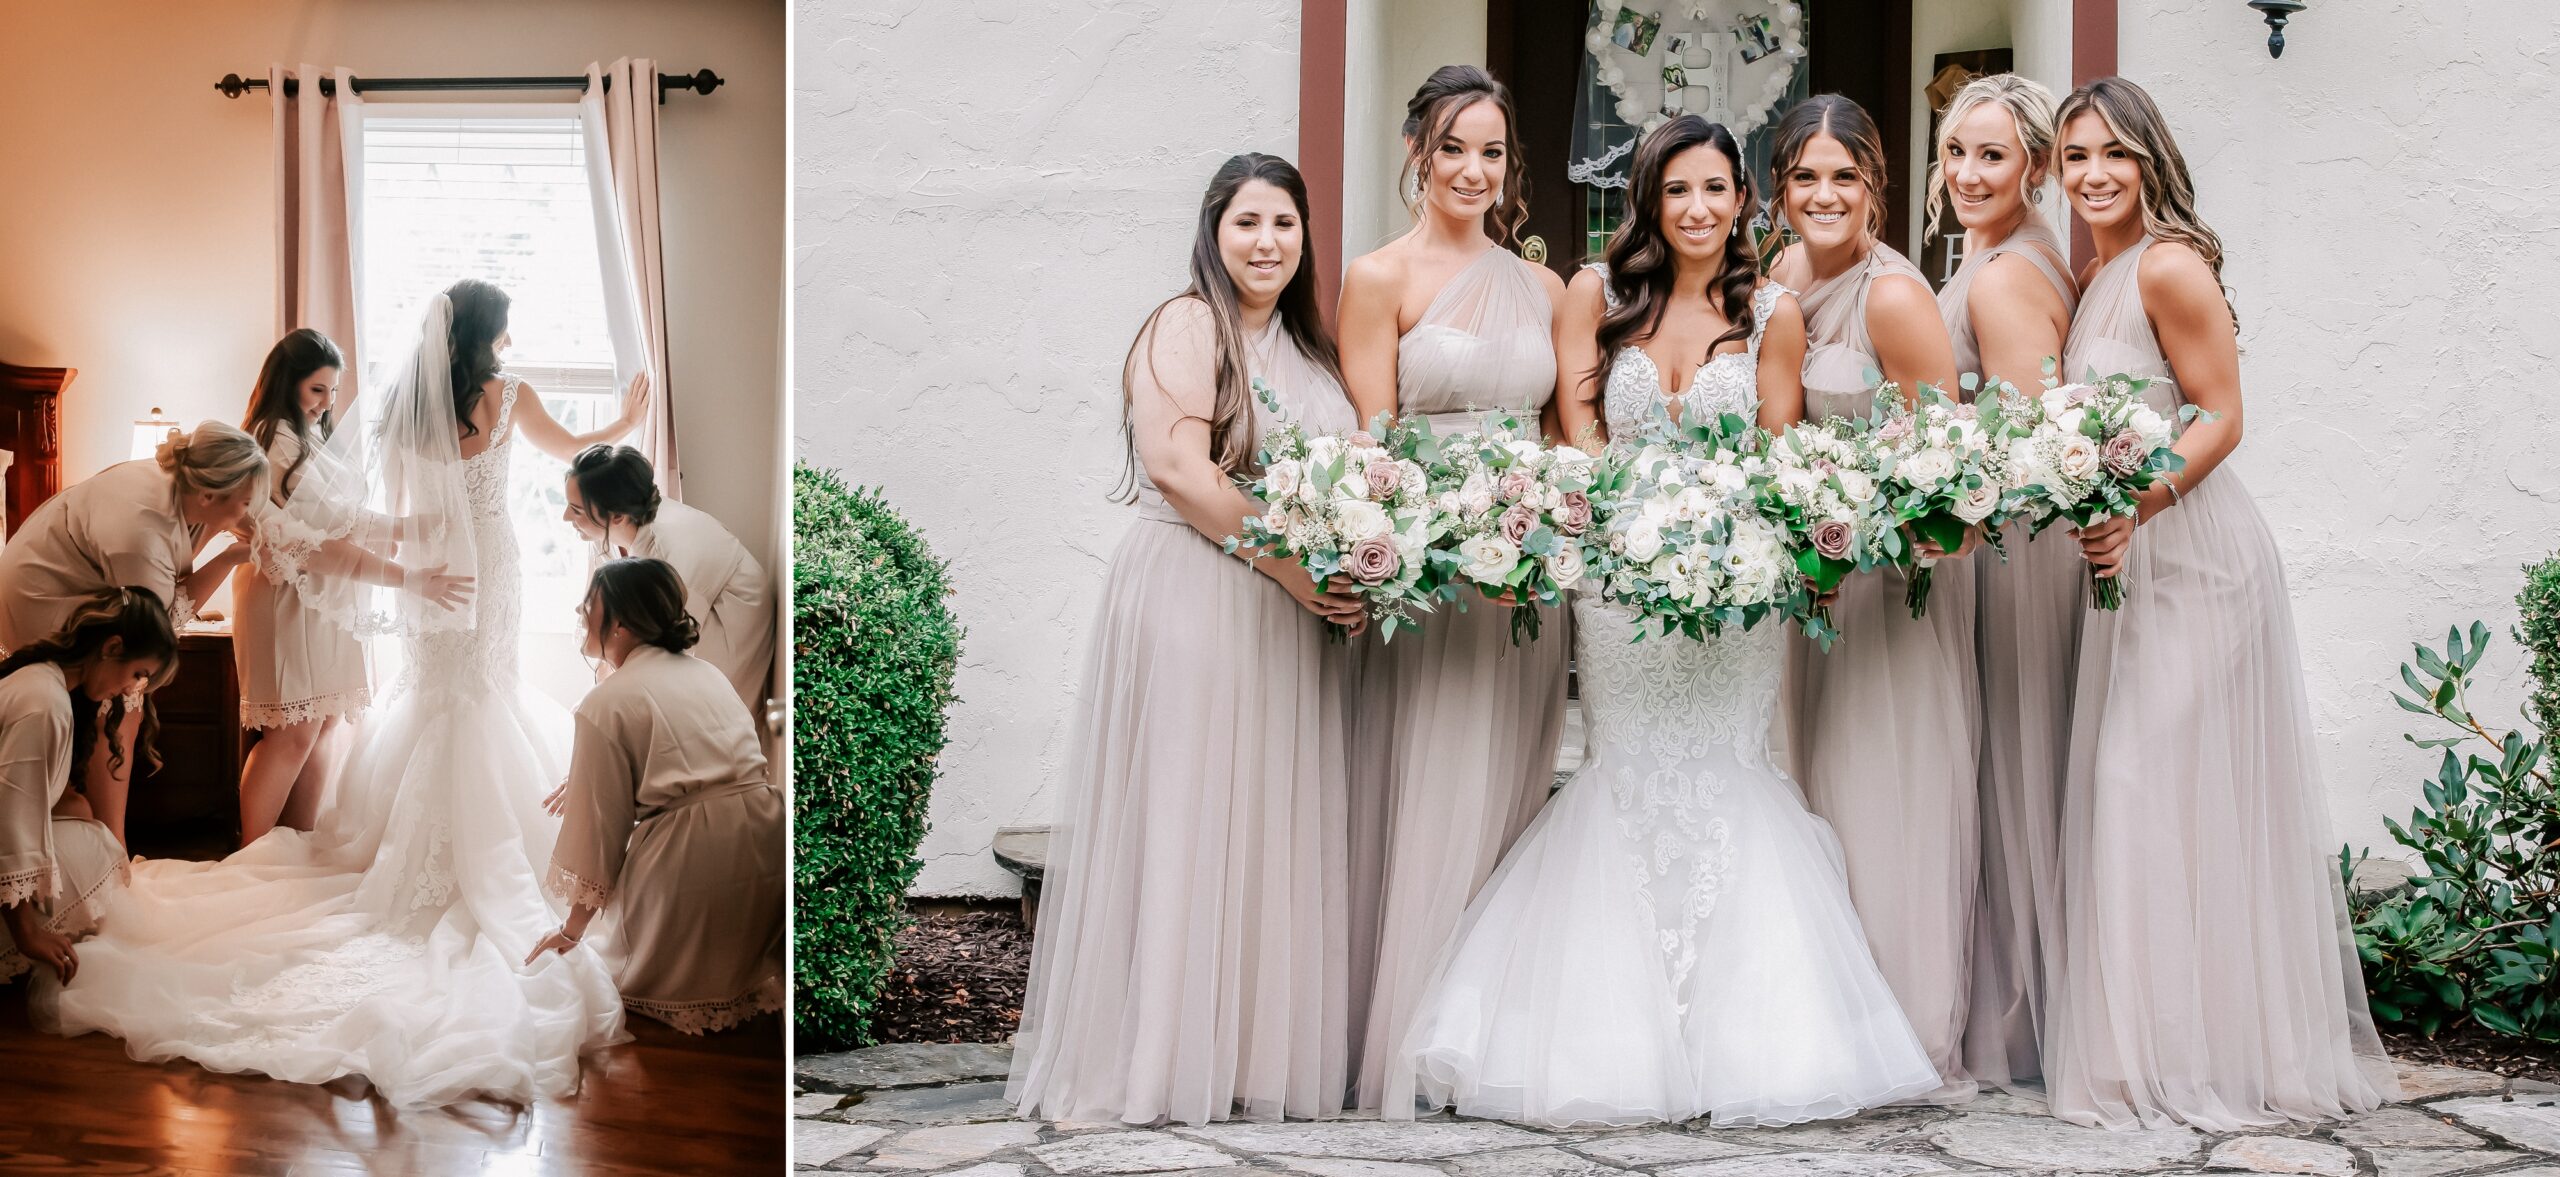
<point>1672,937</point>
<point>390,942</point>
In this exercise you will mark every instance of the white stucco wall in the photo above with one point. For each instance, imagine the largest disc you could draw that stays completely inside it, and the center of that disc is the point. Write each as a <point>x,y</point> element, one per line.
<point>2389,196</point>
<point>990,198</point>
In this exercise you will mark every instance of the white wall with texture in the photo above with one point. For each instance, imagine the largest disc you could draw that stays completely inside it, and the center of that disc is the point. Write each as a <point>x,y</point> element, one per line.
<point>991,196</point>
<point>2388,193</point>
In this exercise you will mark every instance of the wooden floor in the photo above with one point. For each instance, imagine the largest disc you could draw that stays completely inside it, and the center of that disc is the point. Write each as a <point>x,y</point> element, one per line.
<point>664,1104</point>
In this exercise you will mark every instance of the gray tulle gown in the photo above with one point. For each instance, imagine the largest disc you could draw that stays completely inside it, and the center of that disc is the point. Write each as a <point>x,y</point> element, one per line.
<point>1191,952</point>
<point>2204,974</point>
<point>2027,637</point>
<point>1463,751</point>
<point>1884,728</point>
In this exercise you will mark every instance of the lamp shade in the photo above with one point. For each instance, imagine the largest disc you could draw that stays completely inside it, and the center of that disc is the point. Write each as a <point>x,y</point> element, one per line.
<point>149,432</point>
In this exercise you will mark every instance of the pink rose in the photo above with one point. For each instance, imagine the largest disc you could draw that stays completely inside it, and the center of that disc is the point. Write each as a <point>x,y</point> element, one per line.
<point>1895,431</point>
<point>1517,521</point>
<point>1575,516</point>
<point>1831,538</point>
<point>1372,560</point>
<point>2124,454</point>
<point>1516,486</point>
<point>2082,394</point>
<point>1384,478</point>
<point>1362,439</point>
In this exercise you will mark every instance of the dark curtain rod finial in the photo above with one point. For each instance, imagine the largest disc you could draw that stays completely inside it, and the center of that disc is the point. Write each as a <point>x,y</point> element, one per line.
<point>700,82</point>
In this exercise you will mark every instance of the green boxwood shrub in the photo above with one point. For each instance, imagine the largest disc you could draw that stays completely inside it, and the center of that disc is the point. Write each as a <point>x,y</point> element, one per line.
<point>874,650</point>
<point>2476,935</point>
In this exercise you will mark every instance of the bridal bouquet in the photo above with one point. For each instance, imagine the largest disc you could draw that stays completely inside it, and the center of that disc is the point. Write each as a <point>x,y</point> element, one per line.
<point>1508,509</point>
<point>1358,516</point>
<point>2082,452</point>
<point>1684,540</point>
<point>1943,472</point>
<point>1825,485</point>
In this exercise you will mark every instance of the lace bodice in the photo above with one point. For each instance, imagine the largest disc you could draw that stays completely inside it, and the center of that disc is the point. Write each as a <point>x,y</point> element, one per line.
<point>483,657</point>
<point>1728,383</point>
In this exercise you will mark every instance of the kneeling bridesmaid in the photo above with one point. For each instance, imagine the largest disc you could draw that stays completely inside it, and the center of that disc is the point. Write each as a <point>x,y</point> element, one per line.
<point>57,863</point>
<point>668,823</point>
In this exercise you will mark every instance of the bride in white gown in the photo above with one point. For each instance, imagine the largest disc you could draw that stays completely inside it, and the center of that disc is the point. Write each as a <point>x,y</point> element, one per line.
<point>390,942</point>
<point>1672,937</point>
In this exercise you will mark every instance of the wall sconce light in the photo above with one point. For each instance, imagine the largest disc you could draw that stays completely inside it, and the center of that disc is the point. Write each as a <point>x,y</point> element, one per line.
<point>149,432</point>
<point>2277,12</point>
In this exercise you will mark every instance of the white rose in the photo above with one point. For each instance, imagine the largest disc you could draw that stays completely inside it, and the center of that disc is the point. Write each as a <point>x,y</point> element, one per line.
<point>1644,541</point>
<point>1475,496</point>
<point>1797,482</point>
<point>1416,482</point>
<point>1571,459</point>
<point>2057,398</point>
<point>1489,558</point>
<point>1691,505</point>
<point>2023,471</point>
<point>1321,451</point>
<point>1523,450</point>
<point>1565,564</point>
<point>2148,425</point>
<point>1928,468</point>
<point>1977,503</point>
<point>2078,460</point>
<point>1728,479</point>
<point>1280,479</point>
<point>1856,485</point>
<point>1357,519</point>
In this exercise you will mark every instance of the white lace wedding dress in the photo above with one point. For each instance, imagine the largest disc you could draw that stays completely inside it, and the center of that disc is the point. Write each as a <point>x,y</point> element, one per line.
<point>390,942</point>
<point>1672,938</point>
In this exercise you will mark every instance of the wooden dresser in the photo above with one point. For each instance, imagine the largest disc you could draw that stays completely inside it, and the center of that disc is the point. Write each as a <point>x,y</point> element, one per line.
<point>191,807</point>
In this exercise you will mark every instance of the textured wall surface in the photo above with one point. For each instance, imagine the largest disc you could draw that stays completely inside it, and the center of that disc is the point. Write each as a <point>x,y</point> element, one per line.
<point>2389,196</point>
<point>991,196</point>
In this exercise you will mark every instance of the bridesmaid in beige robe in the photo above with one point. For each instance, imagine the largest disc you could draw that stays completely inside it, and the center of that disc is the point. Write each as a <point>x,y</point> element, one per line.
<point>668,824</point>
<point>1883,728</point>
<point>1457,726</point>
<point>1190,956</point>
<point>613,500</point>
<point>2205,975</point>
<point>58,865</point>
<point>133,525</point>
<point>2006,310</point>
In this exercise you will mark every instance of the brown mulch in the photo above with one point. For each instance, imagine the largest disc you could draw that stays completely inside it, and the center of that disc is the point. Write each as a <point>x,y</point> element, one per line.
<point>2473,1048</point>
<point>959,978</point>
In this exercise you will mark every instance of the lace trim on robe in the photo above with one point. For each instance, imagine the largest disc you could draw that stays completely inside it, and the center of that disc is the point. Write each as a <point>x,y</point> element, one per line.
<point>576,889</point>
<point>708,1017</point>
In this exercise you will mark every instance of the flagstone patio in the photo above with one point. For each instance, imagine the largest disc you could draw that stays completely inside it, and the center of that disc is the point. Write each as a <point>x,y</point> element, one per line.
<point>915,1110</point>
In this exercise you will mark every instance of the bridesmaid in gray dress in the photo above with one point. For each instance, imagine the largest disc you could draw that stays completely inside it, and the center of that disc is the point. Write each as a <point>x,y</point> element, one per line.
<point>1190,961</point>
<point>2204,976</point>
<point>1884,728</point>
<point>1458,727</point>
<point>2007,309</point>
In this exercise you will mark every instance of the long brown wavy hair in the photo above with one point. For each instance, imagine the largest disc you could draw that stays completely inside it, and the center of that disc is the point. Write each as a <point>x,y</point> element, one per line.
<point>1231,432</point>
<point>276,403</point>
<point>2168,189</point>
<point>1641,261</point>
<point>141,619</point>
<point>1428,116</point>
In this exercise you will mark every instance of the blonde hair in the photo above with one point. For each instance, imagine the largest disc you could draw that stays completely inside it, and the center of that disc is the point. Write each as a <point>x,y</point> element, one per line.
<point>214,458</point>
<point>2168,192</point>
<point>2030,106</point>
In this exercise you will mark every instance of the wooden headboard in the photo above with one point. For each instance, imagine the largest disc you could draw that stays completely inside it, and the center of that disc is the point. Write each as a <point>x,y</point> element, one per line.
<point>31,430</point>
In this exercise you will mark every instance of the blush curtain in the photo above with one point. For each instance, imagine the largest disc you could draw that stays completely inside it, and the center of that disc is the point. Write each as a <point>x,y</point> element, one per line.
<point>621,130</point>
<point>319,207</point>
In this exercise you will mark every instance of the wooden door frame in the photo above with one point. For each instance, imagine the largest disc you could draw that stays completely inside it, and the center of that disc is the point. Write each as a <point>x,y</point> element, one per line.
<point>1322,40</point>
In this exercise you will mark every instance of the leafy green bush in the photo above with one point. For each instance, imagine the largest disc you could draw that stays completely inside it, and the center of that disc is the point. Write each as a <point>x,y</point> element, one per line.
<point>2477,934</point>
<point>875,647</point>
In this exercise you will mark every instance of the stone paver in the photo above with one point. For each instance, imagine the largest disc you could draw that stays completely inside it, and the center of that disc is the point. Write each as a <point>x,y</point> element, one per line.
<point>2420,1082</point>
<point>941,1111</point>
<point>816,1142</point>
<point>1128,1152</point>
<point>2433,1162</point>
<point>952,1144</point>
<point>901,1065</point>
<point>1815,1164</point>
<point>2531,1121</point>
<point>964,1103</point>
<point>2402,1128</point>
<point>2283,1154</point>
<point>1661,1148</point>
<point>2023,1142</point>
<point>1375,1140</point>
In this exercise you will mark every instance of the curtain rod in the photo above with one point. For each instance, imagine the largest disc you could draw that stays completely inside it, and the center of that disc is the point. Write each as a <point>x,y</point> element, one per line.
<point>700,82</point>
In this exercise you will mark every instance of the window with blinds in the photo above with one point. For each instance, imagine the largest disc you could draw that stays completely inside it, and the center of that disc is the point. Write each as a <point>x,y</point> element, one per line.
<point>502,196</point>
